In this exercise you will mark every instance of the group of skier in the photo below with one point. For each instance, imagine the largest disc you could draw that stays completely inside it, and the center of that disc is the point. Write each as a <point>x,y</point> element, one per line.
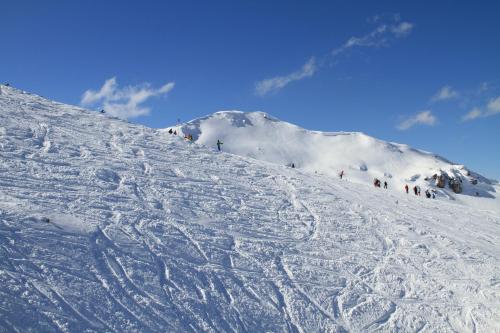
<point>417,191</point>
<point>416,188</point>
<point>189,137</point>
<point>377,183</point>
<point>170,131</point>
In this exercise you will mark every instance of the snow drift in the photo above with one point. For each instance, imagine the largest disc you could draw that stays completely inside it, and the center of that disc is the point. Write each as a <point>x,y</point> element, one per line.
<point>107,226</point>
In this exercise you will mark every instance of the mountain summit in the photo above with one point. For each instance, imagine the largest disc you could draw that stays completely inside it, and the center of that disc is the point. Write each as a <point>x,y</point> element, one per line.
<point>361,157</point>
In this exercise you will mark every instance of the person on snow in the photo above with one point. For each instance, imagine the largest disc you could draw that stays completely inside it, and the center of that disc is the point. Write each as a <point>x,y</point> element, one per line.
<point>341,174</point>
<point>102,111</point>
<point>385,184</point>
<point>219,143</point>
<point>418,190</point>
<point>406,188</point>
<point>415,190</point>
<point>170,131</point>
<point>427,194</point>
<point>376,182</point>
<point>293,165</point>
<point>175,132</point>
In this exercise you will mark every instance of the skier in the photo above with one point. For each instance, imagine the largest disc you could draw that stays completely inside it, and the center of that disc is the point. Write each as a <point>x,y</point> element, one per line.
<point>341,174</point>
<point>406,188</point>
<point>385,184</point>
<point>418,190</point>
<point>293,165</point>
<point>427,194</point>
<point>415,190</point>
<point>102,111</point>
<point>170,131</point>
<point>376,182</point>
<point>219,143</point>
<point>175,132</point>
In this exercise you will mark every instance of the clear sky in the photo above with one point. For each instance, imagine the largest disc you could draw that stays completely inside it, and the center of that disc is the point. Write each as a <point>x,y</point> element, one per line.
<point>425,73</point>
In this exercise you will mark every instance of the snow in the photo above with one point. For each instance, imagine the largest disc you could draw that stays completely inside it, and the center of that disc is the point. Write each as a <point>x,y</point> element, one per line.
<point>363,158</point>
<point>118,227</point>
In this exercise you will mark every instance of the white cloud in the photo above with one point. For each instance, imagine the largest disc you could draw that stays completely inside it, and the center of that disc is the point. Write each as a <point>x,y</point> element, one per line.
<point>445,93</point>
<point>107,90</point>
<point>493,108</point>
<point>123,102</point>
<point>380,36</point>
<point>276,83</point>
<point>422,118</point>
<point>402,28</point>
<point>472,114</point>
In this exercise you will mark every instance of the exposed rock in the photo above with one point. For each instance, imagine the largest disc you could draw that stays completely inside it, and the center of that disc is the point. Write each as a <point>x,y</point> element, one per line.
<point>456,185</point>
<point>441,180</point>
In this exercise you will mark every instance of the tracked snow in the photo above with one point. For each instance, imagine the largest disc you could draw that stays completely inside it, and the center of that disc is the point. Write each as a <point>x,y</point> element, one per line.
<point>110,226</point>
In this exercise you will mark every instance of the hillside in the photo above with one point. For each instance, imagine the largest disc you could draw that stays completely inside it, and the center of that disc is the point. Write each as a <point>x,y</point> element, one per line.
<point>107,226</point>
<point>363,158</point>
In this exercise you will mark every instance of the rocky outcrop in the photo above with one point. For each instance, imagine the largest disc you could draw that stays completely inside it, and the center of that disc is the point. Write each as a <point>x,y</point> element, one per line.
<point>456,185</point>
<point>441,180</point>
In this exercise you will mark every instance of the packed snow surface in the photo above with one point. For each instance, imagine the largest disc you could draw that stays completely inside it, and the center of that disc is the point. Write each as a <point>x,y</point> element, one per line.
<point>107,226</point>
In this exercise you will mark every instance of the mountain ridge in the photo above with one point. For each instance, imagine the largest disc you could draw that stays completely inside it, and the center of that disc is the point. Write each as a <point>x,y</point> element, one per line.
<point>261,136</point>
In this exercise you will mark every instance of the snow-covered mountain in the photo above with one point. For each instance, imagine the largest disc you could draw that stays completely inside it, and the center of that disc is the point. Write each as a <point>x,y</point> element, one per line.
<point>361,157</point>
<point>107,226</point>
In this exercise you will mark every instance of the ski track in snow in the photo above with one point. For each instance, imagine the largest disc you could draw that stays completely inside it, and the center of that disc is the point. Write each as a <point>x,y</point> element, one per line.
<point>147,232</point>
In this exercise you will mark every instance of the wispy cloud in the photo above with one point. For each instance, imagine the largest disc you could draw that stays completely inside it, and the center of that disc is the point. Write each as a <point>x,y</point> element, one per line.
<point>124,102</point>
<point>472,114</point>
<point>492,109</point>
<point>382,35</point>
<point>275,83</point>
<point>445,93</point>
<point>422,118</point>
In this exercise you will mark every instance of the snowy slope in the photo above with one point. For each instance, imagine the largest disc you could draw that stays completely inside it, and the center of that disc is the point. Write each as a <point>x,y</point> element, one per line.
<point>363,158</point>
<point>147,232</point>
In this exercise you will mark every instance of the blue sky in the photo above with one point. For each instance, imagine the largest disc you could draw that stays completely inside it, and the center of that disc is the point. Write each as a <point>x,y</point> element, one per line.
<point>424,73</point>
